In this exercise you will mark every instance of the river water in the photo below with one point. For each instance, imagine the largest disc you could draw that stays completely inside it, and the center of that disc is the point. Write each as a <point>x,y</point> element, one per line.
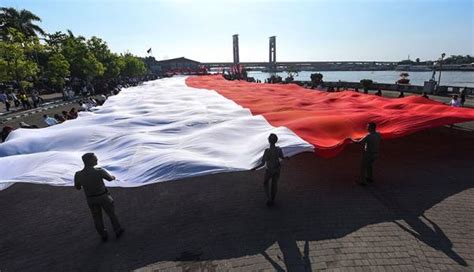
<point>448,78</point>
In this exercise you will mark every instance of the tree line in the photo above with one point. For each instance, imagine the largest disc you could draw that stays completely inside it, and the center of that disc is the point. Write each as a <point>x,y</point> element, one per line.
<point>453,59</point>
<point>29,56</point>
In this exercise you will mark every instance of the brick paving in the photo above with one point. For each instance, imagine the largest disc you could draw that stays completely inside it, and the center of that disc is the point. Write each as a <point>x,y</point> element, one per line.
<point>418,216</point>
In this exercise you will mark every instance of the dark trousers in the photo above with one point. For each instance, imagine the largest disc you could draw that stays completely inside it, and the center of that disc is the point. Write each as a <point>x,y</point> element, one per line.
<point>270,184</point>
<point>97,204</point>
<point>7,105</point>
<point>26,104</point>
<point>366,167</point>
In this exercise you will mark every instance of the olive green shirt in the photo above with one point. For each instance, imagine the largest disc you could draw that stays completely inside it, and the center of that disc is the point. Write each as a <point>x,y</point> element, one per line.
<point>372,142</point>
<point>271,157</point>
<point>92,180</point>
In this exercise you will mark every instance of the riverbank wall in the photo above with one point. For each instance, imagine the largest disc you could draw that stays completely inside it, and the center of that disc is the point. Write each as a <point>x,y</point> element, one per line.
<point>441,90</point>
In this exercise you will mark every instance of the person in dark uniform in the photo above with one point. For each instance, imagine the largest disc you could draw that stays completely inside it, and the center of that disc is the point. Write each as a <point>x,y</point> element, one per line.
<point>271,158</point>
<point>6,130</point>
<point>462,96</point>
<point>370,154</point>
<point>98,198</point>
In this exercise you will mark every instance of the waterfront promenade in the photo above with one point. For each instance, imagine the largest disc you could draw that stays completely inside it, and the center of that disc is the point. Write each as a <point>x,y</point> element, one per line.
<point>418,216</point>
<point>448,78</point>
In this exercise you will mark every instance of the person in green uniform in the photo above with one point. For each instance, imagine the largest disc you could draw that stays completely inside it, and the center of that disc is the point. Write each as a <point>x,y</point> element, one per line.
<point>98,197</point>
<point>370,153</point>
<point>271,158</point>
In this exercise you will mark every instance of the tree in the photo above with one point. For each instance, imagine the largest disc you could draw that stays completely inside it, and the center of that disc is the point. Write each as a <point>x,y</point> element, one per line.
<point>114,66</point>
<point>459,59</point>
<point>30,45</point>
<point>112,63</point>
<point>83,63</point>
<point>366,84</point>
<point>99,49</point>
<point>133,66</point>
<point>56,40</point>
<point>316,79</point>
<point>405,62</point>
<point>14,66</point>
<point>24,59</point>
<point>57,70</point>
<point>90,67</point>
<point>23,21</point>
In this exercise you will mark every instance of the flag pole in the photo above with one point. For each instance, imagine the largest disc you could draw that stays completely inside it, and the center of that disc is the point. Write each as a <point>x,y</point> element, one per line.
<point>150,52</point>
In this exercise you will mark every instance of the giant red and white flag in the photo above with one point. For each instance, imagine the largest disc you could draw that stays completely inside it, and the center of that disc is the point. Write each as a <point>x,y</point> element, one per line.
<point>329,121</point>
<point>180,127</point>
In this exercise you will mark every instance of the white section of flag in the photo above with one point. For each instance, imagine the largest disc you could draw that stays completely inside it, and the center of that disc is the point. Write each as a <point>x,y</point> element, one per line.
<point>160,131</point>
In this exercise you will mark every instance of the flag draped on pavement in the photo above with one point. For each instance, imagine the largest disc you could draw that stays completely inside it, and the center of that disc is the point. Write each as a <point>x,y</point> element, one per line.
<point>180,127</point>
<point>330,120</point>
<point>162,130</point>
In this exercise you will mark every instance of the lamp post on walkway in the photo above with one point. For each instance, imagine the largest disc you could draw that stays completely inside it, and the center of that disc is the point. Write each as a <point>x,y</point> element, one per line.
<point>440,68</point>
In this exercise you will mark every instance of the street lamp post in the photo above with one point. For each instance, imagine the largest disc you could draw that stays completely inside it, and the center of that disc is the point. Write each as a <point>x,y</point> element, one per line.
<point>440,68</point>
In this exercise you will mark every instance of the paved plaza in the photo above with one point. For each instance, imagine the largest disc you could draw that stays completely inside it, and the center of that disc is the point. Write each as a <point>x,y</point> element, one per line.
<point>418,216</point>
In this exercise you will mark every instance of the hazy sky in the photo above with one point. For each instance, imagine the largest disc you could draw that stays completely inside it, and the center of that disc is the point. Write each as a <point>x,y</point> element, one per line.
<point>305,30</point>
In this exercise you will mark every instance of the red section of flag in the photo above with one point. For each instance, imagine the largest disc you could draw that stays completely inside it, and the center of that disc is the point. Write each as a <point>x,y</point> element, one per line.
<point>331,120</point>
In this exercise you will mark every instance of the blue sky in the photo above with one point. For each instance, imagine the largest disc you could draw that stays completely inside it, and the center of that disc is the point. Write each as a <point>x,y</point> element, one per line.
<point>305,30</point>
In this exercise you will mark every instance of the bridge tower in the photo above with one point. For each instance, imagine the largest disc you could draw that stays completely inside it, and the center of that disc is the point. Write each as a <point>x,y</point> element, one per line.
<point>236,48</point>
<point>272,54</point>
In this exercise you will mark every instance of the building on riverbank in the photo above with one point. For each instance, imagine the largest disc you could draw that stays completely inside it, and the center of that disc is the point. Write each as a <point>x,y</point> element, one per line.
<point>181,64</point>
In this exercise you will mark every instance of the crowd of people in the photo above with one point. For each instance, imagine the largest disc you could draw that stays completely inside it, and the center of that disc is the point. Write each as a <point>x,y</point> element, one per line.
<point>458,100</point>
<point>85,104</point>
<point>86,94</point>
<point>16,98</point>
<point>48,120</point>
<point>60,118</point>
<point>20,99</point>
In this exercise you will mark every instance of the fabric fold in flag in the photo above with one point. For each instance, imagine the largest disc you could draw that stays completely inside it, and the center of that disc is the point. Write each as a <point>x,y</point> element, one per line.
<point>181,127</point>
<point>329,121</point>
<point>160,131</point>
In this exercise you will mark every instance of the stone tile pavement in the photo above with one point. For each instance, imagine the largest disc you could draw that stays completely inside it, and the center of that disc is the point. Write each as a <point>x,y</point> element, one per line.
<point>418,216</point>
